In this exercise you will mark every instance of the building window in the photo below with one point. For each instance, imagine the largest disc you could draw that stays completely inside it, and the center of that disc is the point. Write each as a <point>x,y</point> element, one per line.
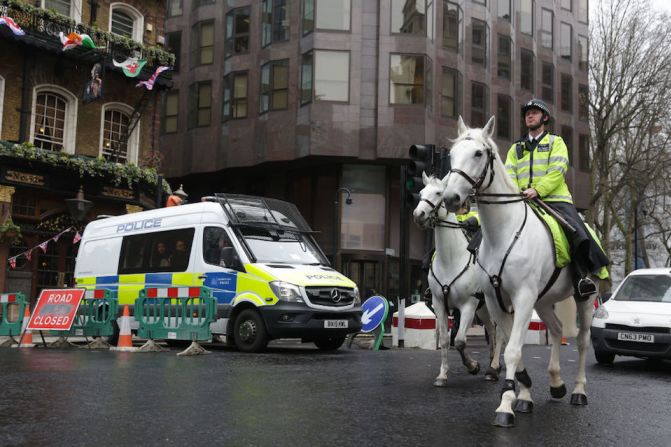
<point>566,36</point>
<point>173,43</point>
<point>504,9</point>
<point>274,86</point>
<point>198,3</point>
<point>583,7</point>
<point>504,109</point>
<point>547,28</point>
<point>583,153</point>
<point>527,17</point>
<point>237,31</point>
<point>170,111</point>
<point>116,119</point>
<point>547,82</point>
<point>60,6</point>
<point>331,75</point>
<point>126,21</point>
<point>583,103</point>
<point>583,53</point>
<point>567,5</point>
<point>527,69</point>
<point>54,119</point>
<point>479,42</point>
<point>479,101</point>
<point>174,8</point>
<point>504,57</point>
<point>235,96</point>
<point>307,75</point>
<point>406,79</point>
<point>308,17</point>
<point>363,222</point>
<point>408,17</point>
<point>274,22</point>
<point>567,136</point>
<point>453,18</point>
<point>202,43</point>
<point>451,93</point>
<point>428,76</point>
<point>566,93</point>
<point>334,15</point>
<point>200,104</point>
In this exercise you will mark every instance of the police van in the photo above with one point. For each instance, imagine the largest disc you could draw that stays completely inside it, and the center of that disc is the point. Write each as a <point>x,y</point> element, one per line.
<point>269,277</point>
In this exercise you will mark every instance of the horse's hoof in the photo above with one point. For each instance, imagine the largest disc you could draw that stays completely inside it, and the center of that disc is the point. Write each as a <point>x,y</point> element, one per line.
<point>440,383</point>
<point>491,375</point>
<point>578,399</point>
<point>558,392</point>
<point>523,406</point>
<point>475,370</point>
<point>505,420</point>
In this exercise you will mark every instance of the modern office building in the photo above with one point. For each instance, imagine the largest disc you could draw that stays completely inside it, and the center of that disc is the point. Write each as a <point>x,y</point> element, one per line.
<point>300,99</point>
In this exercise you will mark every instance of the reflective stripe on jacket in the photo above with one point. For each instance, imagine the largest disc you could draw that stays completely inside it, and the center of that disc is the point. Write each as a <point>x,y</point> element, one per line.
<point>547,175</point>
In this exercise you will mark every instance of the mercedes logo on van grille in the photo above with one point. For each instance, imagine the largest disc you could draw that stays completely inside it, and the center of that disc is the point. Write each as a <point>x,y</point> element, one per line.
<point>335,295</point>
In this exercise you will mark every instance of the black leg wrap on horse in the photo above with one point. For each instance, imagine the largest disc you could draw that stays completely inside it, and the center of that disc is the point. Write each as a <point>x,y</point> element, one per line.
<point>558,392</point>
<point>508,385</point>
<point>523,378</point>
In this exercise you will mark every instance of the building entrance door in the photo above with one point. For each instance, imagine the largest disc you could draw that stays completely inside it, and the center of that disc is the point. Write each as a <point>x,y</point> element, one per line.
<point>366,275</point>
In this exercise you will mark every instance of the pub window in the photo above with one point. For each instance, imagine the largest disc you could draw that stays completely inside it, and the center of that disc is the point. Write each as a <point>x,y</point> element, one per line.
<point>235,96</point>
<point>480,37</point>
<point>547,28</point>
<point>274,86</point>
<point>174,8</point>
<point>453,18</point>
<point>566,36</point>
<point>274,22</point>
<point>200,104</point>
<point>307,77</point>
<point>68,8</point>
<point>408,17</point>
<point>202,43</point>
<point>333,14</point>
<point>126,21</point>
<point>504,109</point>
<point>170,111</point>
<point>527,17</point>
<point>504,57</point>
<point>331,75</point>
<point>2,100</point>
<point>479,100</point>
<point>406,79</point>
<point>451,93</point>
<point>174,45</point>
<point>54,117</point>
<point>237,31</point>
<point>116,118</point>
<point>164,251</point>
<point>527,68</point>
<point>24,206</point>
<point>547,82</point>
<point>566,92</point>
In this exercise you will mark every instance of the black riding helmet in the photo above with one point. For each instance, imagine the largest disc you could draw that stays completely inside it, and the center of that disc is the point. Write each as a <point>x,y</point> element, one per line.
<point>540,105</point>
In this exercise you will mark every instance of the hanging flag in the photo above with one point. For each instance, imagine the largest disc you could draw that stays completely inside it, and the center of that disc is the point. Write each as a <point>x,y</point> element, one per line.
<point>43,246</point>
<point>16,29</point>
<point>28,254</point>
<point>55,238</point>
<point>12,262</point>
<point>131,67</point>
<point>77,238</point>
<point>74,40</point>
<point>149,83</point>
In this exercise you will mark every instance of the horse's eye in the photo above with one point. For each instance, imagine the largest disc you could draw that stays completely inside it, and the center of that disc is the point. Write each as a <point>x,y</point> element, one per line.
<point>478,153</point>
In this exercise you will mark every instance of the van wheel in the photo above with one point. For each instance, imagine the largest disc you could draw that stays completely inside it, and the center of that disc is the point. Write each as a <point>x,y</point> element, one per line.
<point>249,332</point>
<point>329,343</point>
<point>604,357</point>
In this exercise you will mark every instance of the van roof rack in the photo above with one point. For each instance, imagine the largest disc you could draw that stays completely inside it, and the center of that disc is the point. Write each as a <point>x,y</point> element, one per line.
<point>261,211</point>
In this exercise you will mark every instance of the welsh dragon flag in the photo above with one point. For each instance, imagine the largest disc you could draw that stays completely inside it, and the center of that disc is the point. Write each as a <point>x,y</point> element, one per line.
<point>131,67</point>
<point>74,40</point>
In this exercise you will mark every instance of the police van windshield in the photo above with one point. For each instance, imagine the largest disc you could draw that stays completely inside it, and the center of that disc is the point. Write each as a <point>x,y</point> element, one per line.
<point>283,247</point>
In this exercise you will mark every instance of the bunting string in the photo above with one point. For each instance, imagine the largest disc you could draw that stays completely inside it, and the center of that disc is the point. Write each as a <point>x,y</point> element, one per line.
<point>43,246</point>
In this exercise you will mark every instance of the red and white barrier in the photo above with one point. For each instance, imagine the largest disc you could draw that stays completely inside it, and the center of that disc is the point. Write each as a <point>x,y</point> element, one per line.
<point>94,294</point>
<point>537,333</point>
<point>8,298</point>
<point>173,292</point>
<point>420,327</point>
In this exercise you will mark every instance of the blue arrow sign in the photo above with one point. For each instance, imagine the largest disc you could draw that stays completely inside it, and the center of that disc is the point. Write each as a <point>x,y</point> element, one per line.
<point>375,310</point>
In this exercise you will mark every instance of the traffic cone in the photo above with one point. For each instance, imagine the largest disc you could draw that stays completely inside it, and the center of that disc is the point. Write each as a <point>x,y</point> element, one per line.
<point>564,341</point>
<point>26,340</point>
<point>125,342</point>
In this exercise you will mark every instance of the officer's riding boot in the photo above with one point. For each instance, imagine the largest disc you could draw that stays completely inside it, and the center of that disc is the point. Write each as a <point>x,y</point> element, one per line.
<point>583,284</point>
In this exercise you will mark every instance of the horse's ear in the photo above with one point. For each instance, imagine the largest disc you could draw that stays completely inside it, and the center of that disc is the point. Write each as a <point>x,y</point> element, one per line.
<point>488,130</point>
<point>461,127</point>
<point>425,178</point>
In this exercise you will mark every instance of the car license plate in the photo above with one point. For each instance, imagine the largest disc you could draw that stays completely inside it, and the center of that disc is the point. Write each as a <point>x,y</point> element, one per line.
<point>335,324</point>
<point>630,336</point>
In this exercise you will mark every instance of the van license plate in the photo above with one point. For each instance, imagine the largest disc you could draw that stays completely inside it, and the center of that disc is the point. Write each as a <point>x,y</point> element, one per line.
<point>335,324</point>
<point>629,336</point>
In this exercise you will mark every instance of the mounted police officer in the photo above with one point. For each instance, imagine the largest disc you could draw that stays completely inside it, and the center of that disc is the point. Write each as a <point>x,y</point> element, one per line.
<point>537,163</point>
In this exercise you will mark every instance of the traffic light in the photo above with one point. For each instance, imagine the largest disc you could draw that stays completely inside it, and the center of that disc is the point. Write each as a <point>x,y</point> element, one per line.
<point>422,158</point>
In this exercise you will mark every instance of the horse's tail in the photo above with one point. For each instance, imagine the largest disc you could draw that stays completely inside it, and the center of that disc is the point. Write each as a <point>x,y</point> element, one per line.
<point>566,312</point>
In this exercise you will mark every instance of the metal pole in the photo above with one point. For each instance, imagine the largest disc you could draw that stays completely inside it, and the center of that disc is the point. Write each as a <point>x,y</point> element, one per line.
<point>636,238</point>
<point>336,224</point>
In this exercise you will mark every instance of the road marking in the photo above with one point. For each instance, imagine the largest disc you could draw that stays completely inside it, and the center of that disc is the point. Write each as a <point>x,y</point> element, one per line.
<point>571,360</point>
<point>536,357</point>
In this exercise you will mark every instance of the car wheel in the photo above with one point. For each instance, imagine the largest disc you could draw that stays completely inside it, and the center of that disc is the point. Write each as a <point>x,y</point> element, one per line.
<point>249,332</point>
<point>329,343</point>
<point>604,357</point>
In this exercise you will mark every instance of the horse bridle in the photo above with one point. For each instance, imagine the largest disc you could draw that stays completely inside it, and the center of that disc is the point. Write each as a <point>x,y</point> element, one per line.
<point>435,221</point>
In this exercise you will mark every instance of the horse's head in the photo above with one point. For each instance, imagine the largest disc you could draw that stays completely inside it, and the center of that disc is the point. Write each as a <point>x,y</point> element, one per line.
<point>471,161</point>
<point>430,201</point>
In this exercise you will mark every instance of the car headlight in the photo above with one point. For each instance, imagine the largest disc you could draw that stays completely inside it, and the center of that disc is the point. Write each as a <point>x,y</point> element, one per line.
<point>286,291</point>
<point>601,313</point>
<point>357,297</point>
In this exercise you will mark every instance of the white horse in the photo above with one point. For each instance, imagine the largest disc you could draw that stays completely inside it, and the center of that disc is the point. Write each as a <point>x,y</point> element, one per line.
<point>453,281</point>
<point>516,255</point>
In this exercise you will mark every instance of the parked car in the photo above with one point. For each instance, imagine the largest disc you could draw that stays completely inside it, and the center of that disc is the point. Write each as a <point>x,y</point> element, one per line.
<point>636,321</point>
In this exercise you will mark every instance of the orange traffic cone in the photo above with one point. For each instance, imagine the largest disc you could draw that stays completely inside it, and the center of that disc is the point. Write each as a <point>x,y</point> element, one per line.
<point>125,342</point>
<point>26,340</point>
<point>564,341</point>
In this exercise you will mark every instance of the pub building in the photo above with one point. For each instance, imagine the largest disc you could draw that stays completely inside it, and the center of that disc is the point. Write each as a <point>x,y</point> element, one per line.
<point>78,129</point>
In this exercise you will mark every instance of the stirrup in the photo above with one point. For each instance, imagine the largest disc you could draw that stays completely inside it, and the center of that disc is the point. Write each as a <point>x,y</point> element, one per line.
<point>586,288</point>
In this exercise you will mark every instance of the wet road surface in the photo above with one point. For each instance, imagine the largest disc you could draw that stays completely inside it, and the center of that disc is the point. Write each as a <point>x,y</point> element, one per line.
<point>294,395</point>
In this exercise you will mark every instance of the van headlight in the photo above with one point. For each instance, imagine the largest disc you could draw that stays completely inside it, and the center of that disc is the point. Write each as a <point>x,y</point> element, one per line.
<point>601,313</point>
<point>286,291</point>
<point>357,297</point>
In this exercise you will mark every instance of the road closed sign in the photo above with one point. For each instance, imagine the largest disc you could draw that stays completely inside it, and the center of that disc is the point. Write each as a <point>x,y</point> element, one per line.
<point>56,309</point>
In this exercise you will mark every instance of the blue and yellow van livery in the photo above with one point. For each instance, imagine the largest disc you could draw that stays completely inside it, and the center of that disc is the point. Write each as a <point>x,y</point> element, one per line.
<point>269,277</point>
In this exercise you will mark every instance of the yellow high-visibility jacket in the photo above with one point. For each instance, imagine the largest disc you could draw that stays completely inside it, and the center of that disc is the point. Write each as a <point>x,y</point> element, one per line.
<point>543,169</point>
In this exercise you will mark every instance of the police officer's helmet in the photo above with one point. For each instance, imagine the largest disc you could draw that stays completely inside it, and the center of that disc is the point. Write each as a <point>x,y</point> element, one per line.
<point>180,192</point>
<point>540,105</point>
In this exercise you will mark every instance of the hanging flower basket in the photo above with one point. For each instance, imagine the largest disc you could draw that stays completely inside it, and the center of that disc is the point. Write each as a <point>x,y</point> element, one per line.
<point>10,233</point>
